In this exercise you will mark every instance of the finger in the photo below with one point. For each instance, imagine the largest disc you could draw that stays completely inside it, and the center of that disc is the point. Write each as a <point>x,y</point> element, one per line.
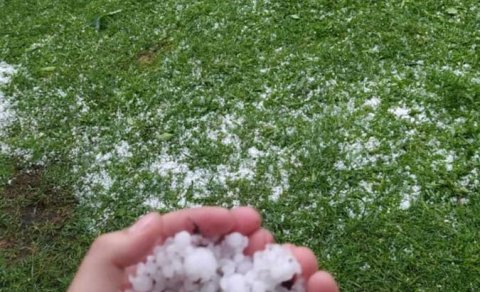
<point>209,221</point>
<point>125,247</point>
<point>306,258</point>
<point>322,282</point>
<point>104,264</point>
<point>258,240</point>
<point>247,220</point>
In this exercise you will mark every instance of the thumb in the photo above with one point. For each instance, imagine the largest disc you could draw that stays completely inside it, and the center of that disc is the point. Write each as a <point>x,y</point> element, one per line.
<point>103,268</point>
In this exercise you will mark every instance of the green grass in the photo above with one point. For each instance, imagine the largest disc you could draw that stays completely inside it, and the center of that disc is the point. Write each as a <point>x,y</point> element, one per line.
<point>353,126</point>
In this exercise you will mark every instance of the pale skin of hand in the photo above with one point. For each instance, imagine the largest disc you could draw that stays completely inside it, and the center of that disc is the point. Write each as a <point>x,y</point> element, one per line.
<point>113,256</point>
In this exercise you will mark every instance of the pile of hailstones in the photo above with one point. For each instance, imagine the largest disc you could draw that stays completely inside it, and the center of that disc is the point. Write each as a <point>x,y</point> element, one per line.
<point>188,262</point>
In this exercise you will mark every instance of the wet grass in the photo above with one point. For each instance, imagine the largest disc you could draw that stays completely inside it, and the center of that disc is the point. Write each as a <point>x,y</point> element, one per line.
<point>352,126</point>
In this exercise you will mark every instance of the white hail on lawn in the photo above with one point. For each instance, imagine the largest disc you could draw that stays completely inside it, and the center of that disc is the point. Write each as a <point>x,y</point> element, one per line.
<point>373,102</point>
<point>7,114</point>
<point>400,112</point>
<point>366,138</point>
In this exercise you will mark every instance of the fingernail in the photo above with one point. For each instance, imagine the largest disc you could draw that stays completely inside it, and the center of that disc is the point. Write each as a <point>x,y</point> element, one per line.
<point>142,223</point>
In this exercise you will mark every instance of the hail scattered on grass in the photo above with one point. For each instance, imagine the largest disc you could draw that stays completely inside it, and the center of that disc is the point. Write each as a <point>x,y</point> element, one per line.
<point>197,135</point>
<point>7,113</point>
<point>212,154</point>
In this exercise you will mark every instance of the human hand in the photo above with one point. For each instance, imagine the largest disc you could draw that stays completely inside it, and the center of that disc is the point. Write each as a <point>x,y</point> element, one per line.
<point>113,256</point>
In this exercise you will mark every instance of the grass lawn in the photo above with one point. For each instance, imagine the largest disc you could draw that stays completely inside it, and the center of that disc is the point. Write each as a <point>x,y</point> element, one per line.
<point>353,126</point>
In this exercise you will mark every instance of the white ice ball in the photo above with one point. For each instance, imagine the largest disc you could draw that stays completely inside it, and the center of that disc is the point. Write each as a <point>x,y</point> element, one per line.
<point>142,283</point>
<point>193,263</point>
<point>235,283</point>
<point>201,264</point>
<point>182,239</point>
<point>236,241</point>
